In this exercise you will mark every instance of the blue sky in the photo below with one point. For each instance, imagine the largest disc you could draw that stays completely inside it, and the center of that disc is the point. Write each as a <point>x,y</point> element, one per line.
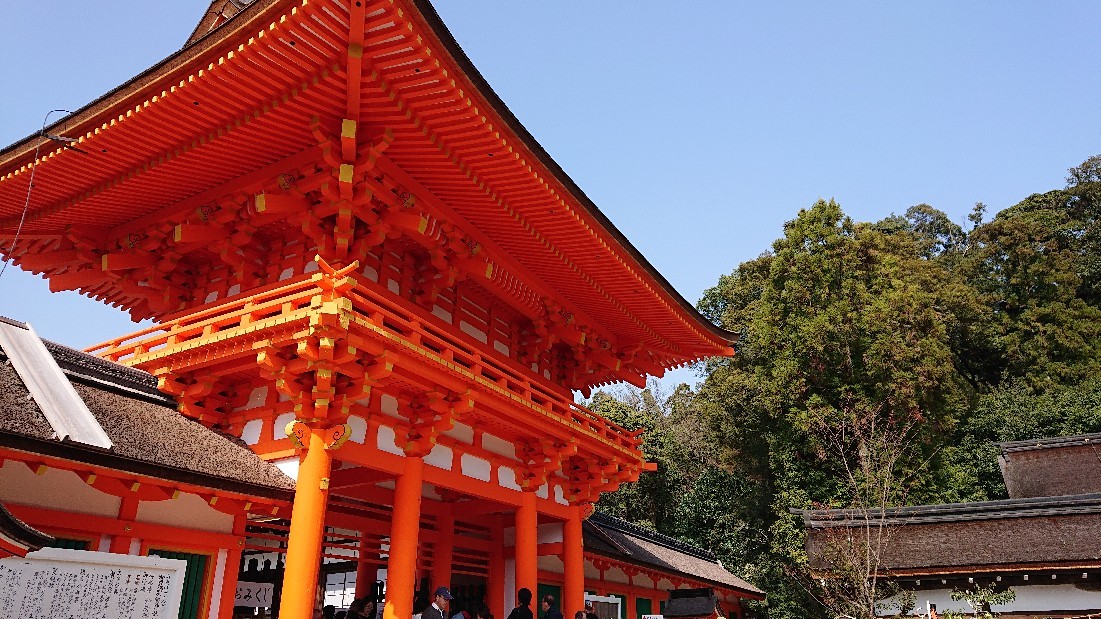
<point>697,127</point>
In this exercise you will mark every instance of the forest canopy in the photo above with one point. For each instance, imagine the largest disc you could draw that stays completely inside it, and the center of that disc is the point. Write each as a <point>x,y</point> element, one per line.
<point>877,363</point>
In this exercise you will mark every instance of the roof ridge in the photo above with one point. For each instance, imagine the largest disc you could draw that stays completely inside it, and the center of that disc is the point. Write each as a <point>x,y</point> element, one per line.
<point>976,510</point>
<point>604,519</point>
<point>1049,442</point>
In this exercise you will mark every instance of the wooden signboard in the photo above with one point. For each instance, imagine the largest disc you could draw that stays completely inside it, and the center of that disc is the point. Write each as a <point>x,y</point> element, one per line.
<point>53,582</point>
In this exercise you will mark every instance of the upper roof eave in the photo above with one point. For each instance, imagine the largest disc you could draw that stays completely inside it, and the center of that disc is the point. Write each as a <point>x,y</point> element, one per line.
<point>87,117</point>
<point>1050,443</point>
<point>435,25</point>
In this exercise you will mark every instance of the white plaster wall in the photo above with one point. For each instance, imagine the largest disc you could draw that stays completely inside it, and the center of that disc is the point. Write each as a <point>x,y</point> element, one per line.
<point>250,433</point>
<point>549,533</point>
<point>359,429</point>
<point>462,433</point>
<point>441,457</point>
<point>55,489</point>
<point>499,446</point>
<point>510,585</point>
<point>387,441</point>
<point>473,331</point>
<point>216,587</point>
<point>614,574</point>
<point>1030,598</point>
<point>186,511</point>
<point>551,563</point>
<point>476,468</point>
<point>289,466</point>
<point>279,428</point>
<point>441,313</point>
<point>507,478</point>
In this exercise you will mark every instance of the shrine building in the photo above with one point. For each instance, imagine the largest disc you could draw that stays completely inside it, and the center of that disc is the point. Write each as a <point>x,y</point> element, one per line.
<point>362,267</point>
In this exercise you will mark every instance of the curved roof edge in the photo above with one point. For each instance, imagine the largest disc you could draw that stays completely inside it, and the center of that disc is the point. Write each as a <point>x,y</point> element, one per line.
<point>85,116</point>
<point>447,40</point>
<point>17,537</point>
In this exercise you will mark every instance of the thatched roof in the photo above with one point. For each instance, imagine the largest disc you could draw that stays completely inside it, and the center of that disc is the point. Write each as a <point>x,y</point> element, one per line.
<point>631,543</point>
<point>149,437</point>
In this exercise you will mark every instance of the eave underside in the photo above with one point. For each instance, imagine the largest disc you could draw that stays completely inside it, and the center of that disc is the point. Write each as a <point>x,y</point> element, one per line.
<point>195,136</point>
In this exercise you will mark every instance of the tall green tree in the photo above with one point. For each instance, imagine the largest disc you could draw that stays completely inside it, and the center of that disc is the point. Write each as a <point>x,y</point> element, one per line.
<point>842,328</point>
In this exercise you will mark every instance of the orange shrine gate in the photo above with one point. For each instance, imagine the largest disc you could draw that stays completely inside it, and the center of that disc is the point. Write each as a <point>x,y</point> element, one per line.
<point>359,262</point>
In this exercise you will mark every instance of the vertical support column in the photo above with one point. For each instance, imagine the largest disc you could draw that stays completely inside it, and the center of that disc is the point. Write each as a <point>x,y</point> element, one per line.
<point>128,513</point>
<point>366,567</point>
<point>495,583</point>
<point>232,569</point>
<point>573,560</point>
<point>527,545</point>
<point>444,549</point>
<point>401,570</point>
<point>631,614</point>
<point>307,531</point>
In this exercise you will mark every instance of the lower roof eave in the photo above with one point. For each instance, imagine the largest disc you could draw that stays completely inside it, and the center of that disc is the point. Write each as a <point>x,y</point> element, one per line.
<point>960,571</point>
<point>755,594</point>
<point>75,453</point>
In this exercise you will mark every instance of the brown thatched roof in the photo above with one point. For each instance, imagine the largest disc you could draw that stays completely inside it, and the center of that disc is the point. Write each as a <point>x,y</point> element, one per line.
<point>1064,465</point>
<point>149,437</point>
<point>622,540</point>
<point>991,535</point>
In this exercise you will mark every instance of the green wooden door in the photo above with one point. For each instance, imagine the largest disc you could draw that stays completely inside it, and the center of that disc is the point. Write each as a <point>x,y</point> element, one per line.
<point>193,580</point>
<point>643,606</point>
<point>69,544</point>
<point>545,589</point>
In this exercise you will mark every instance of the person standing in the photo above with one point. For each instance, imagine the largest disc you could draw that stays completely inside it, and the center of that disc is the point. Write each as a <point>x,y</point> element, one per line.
<point>590,610</point>
<point>523,610</point>
<point>438,608</point>
<point>550,611</point>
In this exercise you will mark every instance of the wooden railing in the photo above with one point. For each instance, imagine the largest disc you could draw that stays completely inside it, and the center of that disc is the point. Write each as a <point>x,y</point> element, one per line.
<point>379,307</point>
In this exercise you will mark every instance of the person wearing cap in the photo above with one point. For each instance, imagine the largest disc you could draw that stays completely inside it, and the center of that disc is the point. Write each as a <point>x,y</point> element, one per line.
<point>438,608</point>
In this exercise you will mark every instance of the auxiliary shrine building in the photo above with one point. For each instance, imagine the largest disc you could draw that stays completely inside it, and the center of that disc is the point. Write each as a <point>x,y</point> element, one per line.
<point>374,295</point>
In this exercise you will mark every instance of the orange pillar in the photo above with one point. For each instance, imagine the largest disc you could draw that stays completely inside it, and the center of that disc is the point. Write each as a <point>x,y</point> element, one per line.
<point>401,570</point>
<point>631,614</point>
<point>366,567</point>
<point>229,583</point>
<point>527,546</point>
<point>128,513</point>
<point>573,560</point>
<point>307,531</point>
<point>495,582</point>
<point>443,551</point>
<point>232,568</point>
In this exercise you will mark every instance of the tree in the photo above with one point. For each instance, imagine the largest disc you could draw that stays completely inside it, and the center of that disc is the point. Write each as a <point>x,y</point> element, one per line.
<point>981,599</point>
<point>839,323</point>
<point>856,582</point>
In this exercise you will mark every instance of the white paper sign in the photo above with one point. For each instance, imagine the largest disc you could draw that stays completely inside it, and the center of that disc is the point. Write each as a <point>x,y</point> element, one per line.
<point>254,594</point>
<point>54,582</point>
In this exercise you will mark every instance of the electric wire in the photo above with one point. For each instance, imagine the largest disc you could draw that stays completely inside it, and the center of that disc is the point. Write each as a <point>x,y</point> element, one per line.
<point>9,256</point>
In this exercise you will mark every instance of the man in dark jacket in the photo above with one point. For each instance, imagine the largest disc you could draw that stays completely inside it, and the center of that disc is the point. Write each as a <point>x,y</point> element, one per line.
<point>550,611</point>
<point>523,598</point>
<point>438,608</point>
